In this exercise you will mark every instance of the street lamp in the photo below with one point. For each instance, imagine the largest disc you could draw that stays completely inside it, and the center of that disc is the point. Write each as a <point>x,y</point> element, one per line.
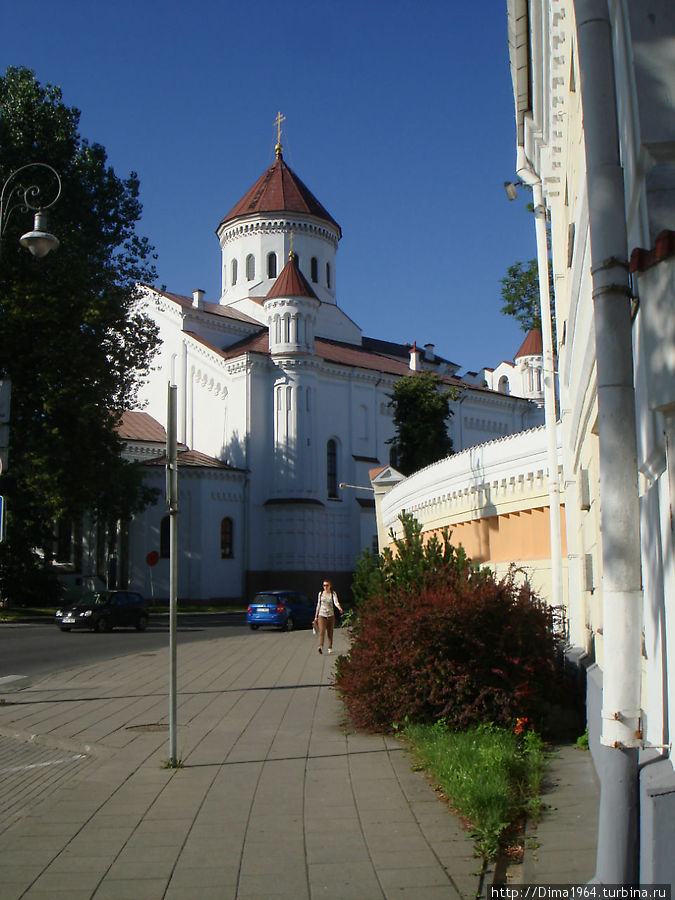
<point>27,197</point>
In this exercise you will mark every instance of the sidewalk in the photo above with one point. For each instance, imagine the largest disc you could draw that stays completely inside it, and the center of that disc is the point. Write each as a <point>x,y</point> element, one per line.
<point>276,798</point>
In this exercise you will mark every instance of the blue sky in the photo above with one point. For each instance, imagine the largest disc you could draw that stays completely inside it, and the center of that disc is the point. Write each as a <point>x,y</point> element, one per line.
<point>399,118</point>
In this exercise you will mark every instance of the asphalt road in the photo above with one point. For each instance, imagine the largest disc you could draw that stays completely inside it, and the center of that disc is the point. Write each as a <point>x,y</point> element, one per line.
<point>40,649</point>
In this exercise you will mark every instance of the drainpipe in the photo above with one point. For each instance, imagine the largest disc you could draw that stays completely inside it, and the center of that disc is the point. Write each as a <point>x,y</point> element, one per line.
<point>617,856</point>
<point>526,173</point>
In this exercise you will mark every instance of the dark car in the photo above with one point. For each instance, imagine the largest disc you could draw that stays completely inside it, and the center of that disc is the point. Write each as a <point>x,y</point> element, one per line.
<point>105,610</point>
<point>284,609</point>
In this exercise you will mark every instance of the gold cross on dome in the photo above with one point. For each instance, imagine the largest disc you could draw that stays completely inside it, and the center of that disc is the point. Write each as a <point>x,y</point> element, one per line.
<point>279,119</point>
<point>291,254</point>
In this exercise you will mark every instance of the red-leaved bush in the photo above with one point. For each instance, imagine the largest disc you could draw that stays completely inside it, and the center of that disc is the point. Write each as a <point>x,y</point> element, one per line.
<point>478,650</point>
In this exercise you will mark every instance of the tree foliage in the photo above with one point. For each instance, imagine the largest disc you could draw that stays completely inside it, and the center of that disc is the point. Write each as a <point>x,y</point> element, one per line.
<point>71,340</point>
<point>520,293</point>
<point>421,413</point>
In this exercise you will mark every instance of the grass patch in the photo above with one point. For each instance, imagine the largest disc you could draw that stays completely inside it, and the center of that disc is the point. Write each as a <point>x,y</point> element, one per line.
<point>14,613</point>
<point>490,775</point>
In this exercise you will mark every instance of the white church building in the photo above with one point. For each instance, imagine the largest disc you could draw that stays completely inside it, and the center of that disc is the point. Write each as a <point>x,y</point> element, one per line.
<point>283,408</point>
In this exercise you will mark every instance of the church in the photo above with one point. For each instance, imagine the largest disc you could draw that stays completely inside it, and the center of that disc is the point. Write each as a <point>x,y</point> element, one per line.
<point>283,409</point>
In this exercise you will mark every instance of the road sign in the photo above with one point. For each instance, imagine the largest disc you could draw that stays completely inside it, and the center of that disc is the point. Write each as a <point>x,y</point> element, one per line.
<point>152,558</point>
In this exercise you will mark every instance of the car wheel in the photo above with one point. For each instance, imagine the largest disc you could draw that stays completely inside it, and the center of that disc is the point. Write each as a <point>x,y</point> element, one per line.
<point>254,627</point>
<point>103,624</point>
<point>64,628</point>
<point>290,624</point>
<point>142,623</point>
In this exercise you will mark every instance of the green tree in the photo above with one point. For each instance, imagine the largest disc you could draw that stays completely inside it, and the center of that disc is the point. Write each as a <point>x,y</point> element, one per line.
<point>421,413</point>
<point>411,564</point>
<point>71,340</point>
<point>520,293</point>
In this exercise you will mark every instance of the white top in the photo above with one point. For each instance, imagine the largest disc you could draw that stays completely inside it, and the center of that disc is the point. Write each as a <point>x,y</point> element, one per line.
<point>324,603</point>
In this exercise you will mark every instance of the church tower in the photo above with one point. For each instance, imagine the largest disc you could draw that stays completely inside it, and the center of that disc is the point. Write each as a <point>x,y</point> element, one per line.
<point>255,239</point>
<point>290,308</point>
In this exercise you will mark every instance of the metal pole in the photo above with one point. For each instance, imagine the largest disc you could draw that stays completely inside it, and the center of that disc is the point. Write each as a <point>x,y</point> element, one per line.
<point>172,501</point>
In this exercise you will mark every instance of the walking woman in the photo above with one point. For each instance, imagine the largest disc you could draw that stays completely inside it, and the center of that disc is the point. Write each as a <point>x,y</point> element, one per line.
<point>324,617</point>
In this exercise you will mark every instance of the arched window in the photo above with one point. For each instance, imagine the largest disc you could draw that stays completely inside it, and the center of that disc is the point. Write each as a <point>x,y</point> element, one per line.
<point>331,469</point>
<point>314,266</point>
<point>250,267</point>
<point>233,271</point>
<point>328,275</point>
<point>503,386</point>
<point>164,537</point>
<point>226,541</point>
<point>271,265</point>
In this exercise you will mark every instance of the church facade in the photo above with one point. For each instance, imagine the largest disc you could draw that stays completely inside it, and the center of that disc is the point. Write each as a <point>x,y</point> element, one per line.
<point>288,401</point>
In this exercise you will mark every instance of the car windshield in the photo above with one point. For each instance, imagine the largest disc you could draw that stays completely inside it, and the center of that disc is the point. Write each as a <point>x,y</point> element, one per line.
<point>266,598</point>
<point>96,599</point>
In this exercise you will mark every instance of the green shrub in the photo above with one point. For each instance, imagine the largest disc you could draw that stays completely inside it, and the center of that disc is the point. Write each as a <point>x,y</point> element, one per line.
<point>412,565</point>
<point>469,651</point>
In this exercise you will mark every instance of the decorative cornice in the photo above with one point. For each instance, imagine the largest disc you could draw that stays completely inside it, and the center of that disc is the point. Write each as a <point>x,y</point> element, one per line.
<point>277,225</point>
<point>511,471</point>
<point>203,379</point>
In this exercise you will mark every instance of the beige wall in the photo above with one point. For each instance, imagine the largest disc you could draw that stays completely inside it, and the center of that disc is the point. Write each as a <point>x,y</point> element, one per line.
<point>494,499</point>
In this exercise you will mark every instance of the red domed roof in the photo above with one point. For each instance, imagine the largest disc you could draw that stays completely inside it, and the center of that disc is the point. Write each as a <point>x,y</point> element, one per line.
<point>532,345</point>
<point>279,190</point>
<point>291,282</point>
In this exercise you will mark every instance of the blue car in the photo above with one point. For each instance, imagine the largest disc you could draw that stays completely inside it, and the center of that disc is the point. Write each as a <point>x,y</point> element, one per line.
<point>284,609</point>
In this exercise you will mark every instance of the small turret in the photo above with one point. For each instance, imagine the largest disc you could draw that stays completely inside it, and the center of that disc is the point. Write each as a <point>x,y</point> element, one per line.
<point>290,309</point>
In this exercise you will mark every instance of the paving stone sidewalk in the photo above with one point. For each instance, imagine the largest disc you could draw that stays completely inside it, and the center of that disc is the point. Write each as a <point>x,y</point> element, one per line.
<point>275,797</point>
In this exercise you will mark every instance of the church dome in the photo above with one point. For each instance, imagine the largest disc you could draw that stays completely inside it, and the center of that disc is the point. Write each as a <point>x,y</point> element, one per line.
<point>278,214</point>
<point>531,346</point>
<point>291,307</point>
<point>291,282</point>
<point>278,191</point>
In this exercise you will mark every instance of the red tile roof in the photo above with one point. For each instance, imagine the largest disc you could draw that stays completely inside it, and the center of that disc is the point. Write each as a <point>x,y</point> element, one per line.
<point>291,282</point>
<point>279,190</point>
<point>331,351</point>
<point>193,459</point>
<point>664,247</point>
<point>140,426</point>
<point>217,309</point>
<point>532,345</point>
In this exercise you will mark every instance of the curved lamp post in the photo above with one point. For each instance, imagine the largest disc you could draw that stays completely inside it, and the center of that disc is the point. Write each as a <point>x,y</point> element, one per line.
<point>16,194</point>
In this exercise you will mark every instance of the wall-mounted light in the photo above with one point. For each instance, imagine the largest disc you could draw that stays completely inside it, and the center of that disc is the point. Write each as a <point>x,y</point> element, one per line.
<point>511,188</point>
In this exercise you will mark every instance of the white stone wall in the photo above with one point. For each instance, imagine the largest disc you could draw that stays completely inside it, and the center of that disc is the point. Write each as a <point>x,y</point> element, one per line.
<point>206,496</point>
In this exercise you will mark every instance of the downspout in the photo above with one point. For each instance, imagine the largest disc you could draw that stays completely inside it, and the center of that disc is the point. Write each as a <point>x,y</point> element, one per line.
<point>526,173</point>
<point>617,856</point>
